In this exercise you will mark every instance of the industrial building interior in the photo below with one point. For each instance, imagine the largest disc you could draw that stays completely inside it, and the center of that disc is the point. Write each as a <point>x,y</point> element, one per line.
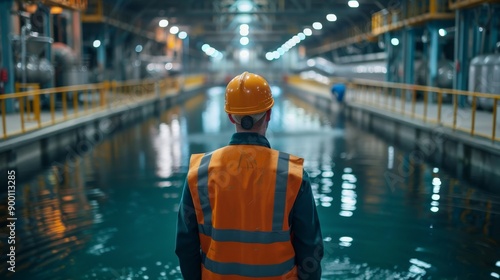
<point>82,81</point>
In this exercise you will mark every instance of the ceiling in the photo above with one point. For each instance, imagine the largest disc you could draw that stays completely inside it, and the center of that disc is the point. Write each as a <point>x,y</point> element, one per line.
<point>271,22</point>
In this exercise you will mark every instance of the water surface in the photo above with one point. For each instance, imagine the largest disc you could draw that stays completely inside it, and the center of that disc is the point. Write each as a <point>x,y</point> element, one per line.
<point>109,213</point>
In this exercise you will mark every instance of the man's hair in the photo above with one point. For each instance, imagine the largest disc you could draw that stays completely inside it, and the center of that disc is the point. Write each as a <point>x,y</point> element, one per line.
<point>255,118</point>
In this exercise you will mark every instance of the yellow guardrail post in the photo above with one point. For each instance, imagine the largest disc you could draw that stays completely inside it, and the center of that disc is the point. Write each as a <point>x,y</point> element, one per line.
<point>103,93</point>
<point>494,128</point>
<point>440,102</point>
<point>455,108</point>
<point>473,118</point>
<point>4,126</point>
<point>65,106</point>
<point>413,102</point>
<point>52,107</point>
<point>426,98</point>
<point>36,108</point>
<point>75,102</point>
<point>21,110</point>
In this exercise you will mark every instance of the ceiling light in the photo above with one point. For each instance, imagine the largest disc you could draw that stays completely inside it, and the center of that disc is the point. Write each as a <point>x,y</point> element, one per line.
<point>182,35</point>
<point>353,3</point>
<point>205,47</point>
<point>307,31</point>
<point>245,6</point>
<point>96,43</point>
<point>168,66</point>
<point>244,54</point>
<point>269,56</point>
<point>244,26</point>
<point>296,39</point>
<point>395,41</point>
<point>301,36</point>
<point>317,25</point>
<point>138,48</point>
<point>174,29</point>
<point>210,51</point>
<point>244,32</point>
<point>163,23</point>
<point>442,32</point>
<point>281,51</point>
<point>276,55</point>
<point>244,41</point>
<point>331,17</point>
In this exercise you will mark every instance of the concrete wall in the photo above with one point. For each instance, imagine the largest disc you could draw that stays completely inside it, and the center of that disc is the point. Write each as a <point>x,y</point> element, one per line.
<point>476,160</point>
<point>29,153</point>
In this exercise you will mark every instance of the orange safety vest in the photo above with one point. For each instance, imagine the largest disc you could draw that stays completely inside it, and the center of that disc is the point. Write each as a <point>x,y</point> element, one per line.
<point>243,196</point>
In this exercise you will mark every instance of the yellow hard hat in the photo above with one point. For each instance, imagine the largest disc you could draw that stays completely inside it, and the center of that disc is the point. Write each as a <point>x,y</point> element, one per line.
<point>248,94</point>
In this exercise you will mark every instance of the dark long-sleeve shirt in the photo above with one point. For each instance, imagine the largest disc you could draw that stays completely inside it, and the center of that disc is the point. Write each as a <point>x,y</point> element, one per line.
<point>307,240</point>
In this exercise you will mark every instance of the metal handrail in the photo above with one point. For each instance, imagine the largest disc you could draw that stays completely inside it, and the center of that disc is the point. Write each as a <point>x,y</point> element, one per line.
<point>69,102</point>
<point>402,99</point>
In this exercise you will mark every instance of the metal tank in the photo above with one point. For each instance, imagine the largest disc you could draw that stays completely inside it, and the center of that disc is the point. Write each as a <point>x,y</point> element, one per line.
<point>484,76</point>
<point>38,70</point>
<point>68,72</point>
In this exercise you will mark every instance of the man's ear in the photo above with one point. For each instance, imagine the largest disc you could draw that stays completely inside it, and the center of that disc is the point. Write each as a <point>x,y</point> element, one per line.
<point>268,115</point>
<point>231,118</point>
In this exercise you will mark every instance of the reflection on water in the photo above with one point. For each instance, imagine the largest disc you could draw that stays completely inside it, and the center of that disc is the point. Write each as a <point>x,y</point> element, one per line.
<point>110,213</point>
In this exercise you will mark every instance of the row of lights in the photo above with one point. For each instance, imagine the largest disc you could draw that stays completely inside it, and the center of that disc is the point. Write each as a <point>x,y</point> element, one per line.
<point>442,32</point>
<point>163,23</point>
<point>212,52</point>
<point>297,39</point>
<point>173,30</point>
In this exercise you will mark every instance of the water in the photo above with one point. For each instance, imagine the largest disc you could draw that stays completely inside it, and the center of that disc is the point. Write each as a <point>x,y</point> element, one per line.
<point>110,213</point>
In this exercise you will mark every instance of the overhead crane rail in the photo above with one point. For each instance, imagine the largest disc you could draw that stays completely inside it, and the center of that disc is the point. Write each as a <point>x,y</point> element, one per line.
<point>460,4</point>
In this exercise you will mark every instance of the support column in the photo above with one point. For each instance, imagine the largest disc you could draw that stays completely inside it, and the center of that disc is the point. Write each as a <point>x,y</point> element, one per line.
<point>101,53</point>
<point>433,54</point>
<point>389,51</point>
<point>7,55</point>
<point>462,45</point>
<point>409,56</point>
<point>494,38</point>
<point>47,29</point>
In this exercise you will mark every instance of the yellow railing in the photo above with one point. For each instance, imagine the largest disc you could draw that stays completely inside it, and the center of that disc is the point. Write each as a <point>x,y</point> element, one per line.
<point>79,5</point>
<point>460,4</point>
<point>54,105</point>
<point>432,105</point>
<point>416,12</point>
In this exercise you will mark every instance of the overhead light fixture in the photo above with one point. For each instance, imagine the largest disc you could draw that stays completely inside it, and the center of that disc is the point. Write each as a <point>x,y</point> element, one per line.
<point>138,48</point>
<point>395,41</point>
<point>353,3</point>
<point>244,32</point>
<point>56,10</point>
<point>244,41</point>
<point>331,17</point>
<point>269,56</point>
<point>244,54</point>
<point>205,47</point>
<point>307,31</point>
<point>244,6</point>
<point>442,32</point>
<point>96,43</point>
<point>163,23</point>
<point>317,25</point>
<point>182,35</point>
<point>301,36</point>
<point>168,66</point>
<point>174,30</point>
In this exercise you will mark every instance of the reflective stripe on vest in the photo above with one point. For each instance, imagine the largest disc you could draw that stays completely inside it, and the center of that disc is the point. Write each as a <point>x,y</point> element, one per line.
<point>243,196</point>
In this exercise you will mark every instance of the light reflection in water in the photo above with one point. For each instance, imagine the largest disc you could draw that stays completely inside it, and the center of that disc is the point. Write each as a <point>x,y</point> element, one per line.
<point>167,144</point>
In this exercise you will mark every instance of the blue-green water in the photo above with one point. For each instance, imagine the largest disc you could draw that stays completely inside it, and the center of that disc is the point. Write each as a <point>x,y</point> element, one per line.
<point>110,213</point>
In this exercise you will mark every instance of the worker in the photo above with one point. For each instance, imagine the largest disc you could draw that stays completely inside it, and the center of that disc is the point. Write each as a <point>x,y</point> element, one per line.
<point>338,90</point>
<point>247,211</point>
